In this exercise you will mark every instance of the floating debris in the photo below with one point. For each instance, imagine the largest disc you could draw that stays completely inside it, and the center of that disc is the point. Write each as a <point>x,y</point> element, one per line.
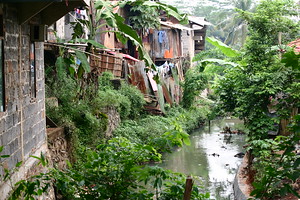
<point>239,155</point>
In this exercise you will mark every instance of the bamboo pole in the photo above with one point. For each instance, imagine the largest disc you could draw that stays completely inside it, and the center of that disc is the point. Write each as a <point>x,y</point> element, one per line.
<point>188,188</point>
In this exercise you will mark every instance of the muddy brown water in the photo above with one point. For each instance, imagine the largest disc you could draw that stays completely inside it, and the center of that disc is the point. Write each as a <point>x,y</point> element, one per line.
<point>210,157</point>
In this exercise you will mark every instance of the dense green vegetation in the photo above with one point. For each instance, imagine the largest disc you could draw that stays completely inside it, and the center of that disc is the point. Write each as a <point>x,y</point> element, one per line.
<point>117,168</point>
<point>261,87</point>
<point>259,84</point>
<point>112,167</point>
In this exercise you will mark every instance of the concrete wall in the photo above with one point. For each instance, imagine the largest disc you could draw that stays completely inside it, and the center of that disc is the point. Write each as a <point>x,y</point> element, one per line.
<point>241,186</point>
<point>188,43</point>
<point>22,124</point>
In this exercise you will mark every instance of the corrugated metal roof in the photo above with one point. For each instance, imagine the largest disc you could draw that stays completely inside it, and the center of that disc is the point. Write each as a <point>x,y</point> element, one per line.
<point>176,26</point>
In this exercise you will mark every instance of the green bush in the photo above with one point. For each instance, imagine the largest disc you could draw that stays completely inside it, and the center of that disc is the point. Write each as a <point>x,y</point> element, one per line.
<point>143,130</point>
<point>195,82</point>
<point>152,129</point>
<point>82,112</point>
<point>136,99</point>
<point>116,170</point>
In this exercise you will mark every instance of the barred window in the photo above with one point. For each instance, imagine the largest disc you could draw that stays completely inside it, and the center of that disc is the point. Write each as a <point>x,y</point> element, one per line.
<point>32,71</point>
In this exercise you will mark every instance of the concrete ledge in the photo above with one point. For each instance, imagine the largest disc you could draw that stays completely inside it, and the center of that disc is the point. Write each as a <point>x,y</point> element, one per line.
<point>241,188</point>
<point>58,147</point>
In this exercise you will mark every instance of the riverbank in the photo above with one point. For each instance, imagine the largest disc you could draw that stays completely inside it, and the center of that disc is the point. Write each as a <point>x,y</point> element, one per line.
<point>153,130</point>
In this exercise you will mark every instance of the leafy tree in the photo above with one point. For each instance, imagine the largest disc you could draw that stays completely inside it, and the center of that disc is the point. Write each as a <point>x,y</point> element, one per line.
<point>247,90</point>
<point>227,25</point>
<point>262,91</point>
<point>143,17</point>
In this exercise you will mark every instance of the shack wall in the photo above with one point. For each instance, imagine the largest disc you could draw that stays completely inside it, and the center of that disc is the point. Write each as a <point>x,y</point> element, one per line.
<point>166,44</point>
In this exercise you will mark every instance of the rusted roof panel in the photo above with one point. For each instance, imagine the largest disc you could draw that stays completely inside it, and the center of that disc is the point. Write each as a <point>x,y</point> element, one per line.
<point>175,26</point>
<point>198,20</point>
<point>138,77</point>
<point>295,44</point>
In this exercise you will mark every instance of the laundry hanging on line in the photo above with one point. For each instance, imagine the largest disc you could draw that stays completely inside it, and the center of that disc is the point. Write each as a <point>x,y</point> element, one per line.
<point>162,36</point>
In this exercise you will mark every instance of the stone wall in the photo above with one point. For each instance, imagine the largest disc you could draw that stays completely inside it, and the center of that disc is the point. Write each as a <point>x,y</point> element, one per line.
<point>113,120</point>
<point>58,147</point>
<point>22,124</point>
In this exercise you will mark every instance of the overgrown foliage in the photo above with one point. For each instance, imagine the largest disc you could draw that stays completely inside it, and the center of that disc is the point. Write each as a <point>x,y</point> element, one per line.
<point>277,165</point>
<point>143,17</point>
<point>115,170</point>
<point>261,90</point>
<point>163,132</point>
<point>83,114</point>
<point>195,82</point>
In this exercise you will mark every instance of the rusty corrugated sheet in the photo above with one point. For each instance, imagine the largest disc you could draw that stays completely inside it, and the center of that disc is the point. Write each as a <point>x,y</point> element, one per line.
<point>138,77</point>
<point>152,81</point>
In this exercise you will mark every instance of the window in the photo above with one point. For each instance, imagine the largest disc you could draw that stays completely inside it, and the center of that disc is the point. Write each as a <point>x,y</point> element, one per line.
<point>32,71</point>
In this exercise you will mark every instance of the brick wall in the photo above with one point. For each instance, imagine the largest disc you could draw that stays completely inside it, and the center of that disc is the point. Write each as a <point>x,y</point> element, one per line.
<point>22,125</point>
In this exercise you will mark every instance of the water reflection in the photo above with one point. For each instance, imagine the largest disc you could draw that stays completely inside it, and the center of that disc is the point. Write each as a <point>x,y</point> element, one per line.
<point>211,157</point>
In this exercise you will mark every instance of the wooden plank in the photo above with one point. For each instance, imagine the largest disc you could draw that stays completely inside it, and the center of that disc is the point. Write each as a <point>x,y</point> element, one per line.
<point>167,94</point>
<point>188,188</point>
<point>152,81</point>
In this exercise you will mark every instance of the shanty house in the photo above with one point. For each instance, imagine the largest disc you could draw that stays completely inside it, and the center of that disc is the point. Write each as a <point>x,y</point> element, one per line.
<point>171,47</point>
<point>193,39</point>
<point>22,87</point>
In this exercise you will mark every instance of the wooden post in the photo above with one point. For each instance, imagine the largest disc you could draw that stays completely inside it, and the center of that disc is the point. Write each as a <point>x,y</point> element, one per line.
<point>279,43</point>
<point>188,188</point>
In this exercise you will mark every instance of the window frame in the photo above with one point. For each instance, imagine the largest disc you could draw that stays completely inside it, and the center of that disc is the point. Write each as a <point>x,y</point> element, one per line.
<point>32,70</point>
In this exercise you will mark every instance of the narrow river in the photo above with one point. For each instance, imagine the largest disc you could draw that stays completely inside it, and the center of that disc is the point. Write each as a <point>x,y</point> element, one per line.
<point>211,157</point>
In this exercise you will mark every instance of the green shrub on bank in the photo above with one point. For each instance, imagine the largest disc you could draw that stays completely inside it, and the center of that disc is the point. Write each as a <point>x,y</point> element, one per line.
<point>83,112</point>
<point>115,170</point>
<point>151,129</point>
